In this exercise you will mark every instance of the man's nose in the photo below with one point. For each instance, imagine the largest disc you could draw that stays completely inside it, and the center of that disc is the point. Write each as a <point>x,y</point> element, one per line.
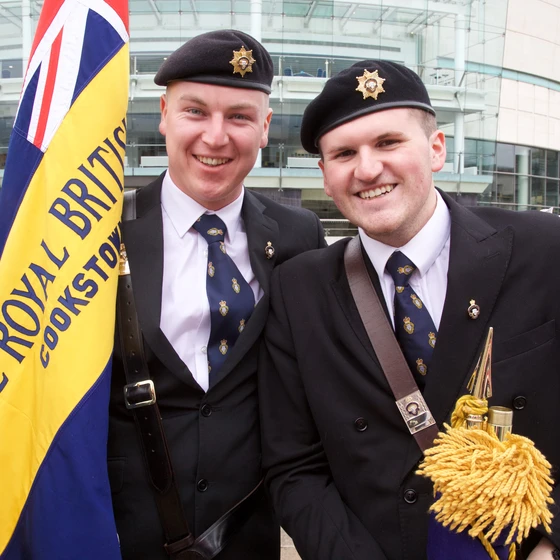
<point>369,166</point>
<point>215,134</point>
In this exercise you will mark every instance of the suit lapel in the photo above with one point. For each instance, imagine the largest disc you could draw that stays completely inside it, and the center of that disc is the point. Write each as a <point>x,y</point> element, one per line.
<point>143,238</point>
<point>260,230</point>
<point>479,257</point>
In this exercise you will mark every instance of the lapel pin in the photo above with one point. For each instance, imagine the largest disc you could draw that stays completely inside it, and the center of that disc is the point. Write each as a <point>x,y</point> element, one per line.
<point>269,250</point>
<point>473,310</point>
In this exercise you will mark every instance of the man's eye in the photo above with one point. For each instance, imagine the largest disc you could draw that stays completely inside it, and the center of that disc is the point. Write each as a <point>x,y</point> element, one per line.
<point>344,153</point>
<point>389,142</point>
<point>240,117</point>
<point>194,111</point>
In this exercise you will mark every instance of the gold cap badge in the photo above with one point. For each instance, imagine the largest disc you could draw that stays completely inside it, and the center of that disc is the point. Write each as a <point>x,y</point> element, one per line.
<point>370,84</point>
<point>242,61</point>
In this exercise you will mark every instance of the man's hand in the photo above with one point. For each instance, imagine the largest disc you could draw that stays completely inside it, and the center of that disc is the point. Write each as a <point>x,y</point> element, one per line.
<point>543,551</point>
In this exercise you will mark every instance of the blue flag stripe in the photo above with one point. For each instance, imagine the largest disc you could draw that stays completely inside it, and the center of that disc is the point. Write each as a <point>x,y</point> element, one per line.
<point>79,446</point>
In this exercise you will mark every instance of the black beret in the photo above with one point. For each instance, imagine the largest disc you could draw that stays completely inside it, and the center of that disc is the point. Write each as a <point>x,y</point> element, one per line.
<point>224,58</point>
<point>365,87</point>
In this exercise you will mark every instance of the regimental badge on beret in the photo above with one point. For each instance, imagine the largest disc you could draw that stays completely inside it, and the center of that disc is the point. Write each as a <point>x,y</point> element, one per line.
<point>370,84</point>
<point>242,61</point>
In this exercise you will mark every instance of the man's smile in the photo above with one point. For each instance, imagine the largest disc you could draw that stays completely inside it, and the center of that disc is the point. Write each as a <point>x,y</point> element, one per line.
<point>378,191</point>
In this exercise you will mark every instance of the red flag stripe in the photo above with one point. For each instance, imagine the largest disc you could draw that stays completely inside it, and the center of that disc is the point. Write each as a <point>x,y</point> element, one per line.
<point>48,13</point>
<point>48,93</point>
<point>121,7</point>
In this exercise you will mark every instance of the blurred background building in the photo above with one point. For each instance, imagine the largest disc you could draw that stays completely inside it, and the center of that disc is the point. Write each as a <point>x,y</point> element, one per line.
<point>492,68</point>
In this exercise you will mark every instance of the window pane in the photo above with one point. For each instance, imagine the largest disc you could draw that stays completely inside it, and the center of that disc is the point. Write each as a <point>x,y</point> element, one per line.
<point>505,157</point>
<point>551,192</point>
<point>538,161</point>
<point>551,163</point>
<point>505,189</point>
<point>537,191</point>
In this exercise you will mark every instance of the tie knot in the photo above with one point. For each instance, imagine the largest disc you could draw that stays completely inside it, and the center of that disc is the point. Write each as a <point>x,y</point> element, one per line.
<point>400,267</point>
<point>211,227</point>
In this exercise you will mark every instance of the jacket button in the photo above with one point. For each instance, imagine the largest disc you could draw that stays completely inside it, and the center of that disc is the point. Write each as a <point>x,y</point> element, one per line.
<point>519,403</point>
<point>206,410</point>
<point>410,496</point>
<point>202,485</point>
<point>360,424</point>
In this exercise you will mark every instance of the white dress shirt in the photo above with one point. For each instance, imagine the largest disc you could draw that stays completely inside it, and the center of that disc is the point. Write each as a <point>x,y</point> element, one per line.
<point>185,313</point>
<point>429,251</point>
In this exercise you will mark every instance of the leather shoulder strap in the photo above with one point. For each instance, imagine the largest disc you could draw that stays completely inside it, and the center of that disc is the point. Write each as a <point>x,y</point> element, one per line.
<point>129,206</point>
<point>408,398</point>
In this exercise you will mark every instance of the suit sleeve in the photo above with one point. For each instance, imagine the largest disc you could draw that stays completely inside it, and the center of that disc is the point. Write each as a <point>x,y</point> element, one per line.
<point>298,478</point>
<point>321,241</point>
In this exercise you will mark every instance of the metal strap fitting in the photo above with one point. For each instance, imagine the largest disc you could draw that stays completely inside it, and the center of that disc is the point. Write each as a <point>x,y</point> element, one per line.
<point>415,412</point>
<point>139,394</point>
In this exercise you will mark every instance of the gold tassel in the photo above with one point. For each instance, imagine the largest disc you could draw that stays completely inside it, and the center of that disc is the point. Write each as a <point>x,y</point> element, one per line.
<point>487,485</point>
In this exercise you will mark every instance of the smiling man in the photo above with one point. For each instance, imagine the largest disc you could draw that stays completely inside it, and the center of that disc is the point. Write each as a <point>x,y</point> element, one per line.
<point>184,442</point>
<point>340,460</point>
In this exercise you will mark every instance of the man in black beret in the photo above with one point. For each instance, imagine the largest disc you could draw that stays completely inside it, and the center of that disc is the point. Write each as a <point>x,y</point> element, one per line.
<point>340,459</point>
<point>184,443</point>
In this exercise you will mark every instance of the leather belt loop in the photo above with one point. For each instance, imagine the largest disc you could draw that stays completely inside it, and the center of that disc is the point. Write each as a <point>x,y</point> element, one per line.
<point>408,398</point>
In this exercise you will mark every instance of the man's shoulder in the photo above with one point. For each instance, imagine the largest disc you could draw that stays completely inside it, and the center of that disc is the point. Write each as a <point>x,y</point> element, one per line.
<point>532,224</point>
<point>282,212</point>
<point>318,262</point>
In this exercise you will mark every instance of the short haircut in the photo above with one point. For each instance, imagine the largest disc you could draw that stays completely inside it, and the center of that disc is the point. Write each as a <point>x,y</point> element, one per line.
<point>427,121</point>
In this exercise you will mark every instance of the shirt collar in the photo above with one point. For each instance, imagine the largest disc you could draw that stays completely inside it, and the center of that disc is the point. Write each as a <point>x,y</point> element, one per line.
<point>183,211</point>
<point>423,249</point>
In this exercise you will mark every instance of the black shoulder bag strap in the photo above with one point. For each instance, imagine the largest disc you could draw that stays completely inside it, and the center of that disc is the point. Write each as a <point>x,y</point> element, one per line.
<point>140,398</point>
<point>409,399</point>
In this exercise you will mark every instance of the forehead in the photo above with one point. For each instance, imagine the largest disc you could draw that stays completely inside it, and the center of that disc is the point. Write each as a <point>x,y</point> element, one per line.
<point>214,95</point>
<point>402,120</point>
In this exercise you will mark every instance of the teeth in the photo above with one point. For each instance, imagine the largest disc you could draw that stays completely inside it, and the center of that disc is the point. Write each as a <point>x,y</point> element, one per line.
<point>212,161</point>
<point>378,191</point>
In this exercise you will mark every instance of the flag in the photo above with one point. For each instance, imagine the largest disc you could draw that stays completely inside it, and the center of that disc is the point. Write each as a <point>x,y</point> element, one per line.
<point>60,206</point>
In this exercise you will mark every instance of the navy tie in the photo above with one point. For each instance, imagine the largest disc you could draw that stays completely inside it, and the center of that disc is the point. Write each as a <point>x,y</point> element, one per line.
<point>414,327</point>
<point>230,297</point>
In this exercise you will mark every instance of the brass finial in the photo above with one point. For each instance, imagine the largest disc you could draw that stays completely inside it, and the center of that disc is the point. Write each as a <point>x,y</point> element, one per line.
<point>480,384</point>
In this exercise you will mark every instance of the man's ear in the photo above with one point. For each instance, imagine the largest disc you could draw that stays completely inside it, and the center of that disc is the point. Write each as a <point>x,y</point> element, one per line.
<point>325,181</point>
<point>438,150</point>
<point>264,137</point>
<point>163,111</point>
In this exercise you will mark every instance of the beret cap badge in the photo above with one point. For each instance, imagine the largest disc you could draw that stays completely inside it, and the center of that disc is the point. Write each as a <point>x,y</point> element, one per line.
<point>242,61</point>
<point>370,84</point>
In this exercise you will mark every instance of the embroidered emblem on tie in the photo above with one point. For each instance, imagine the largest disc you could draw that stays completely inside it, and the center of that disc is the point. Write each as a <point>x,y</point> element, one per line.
<point>241,326</point>
<point>421,367</point>
<point>405,269</point>
<point>223,347</point>
<point>432,339</point>
<point>416,301</point>
<point>408,325</point>
<point>223,308</point>
<point>235,285</point>
<point>211,270</point>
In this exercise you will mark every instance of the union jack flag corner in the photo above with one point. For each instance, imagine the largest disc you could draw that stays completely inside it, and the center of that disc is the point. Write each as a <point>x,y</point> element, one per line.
<point>60,206</point>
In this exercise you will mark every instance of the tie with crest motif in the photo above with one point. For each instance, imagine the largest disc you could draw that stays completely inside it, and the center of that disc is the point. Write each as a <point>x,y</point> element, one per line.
<point>414,327</point>
<point>230,297</point>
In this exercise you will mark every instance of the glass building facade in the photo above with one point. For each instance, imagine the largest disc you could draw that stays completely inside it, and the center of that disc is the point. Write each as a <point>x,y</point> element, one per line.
<point>456,46</point>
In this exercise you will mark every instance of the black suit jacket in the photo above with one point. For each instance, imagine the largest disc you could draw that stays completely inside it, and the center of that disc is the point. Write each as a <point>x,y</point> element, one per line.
<point>213,436</point>
<point>340,460</point>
